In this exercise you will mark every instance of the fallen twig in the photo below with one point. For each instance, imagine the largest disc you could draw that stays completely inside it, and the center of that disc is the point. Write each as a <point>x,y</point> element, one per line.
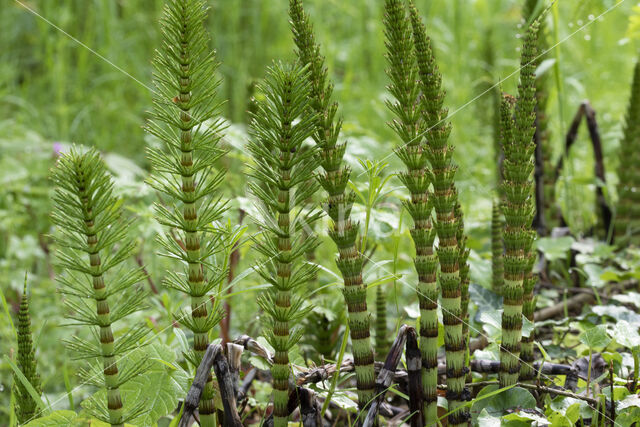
<point>414,368</point>
<point>576,301</point>
<point>213,357</point>
<point>386,375</point>
<point>253,346</point>
<point>544,389</point>
<point>587,112</point>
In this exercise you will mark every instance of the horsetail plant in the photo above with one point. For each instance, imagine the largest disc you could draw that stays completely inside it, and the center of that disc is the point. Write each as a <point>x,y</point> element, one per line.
<point>497,249</point>
<point>440,153</point>
<point>93,244</point>
<point>382,342</point>
<point>463,259</point>
<point>339,201</point>
<point>409,126</point>
<point>544,150</point>
<point>186,120</point>
<point>283,165</point>
<point>518,208</point>
<point>628,209</point>
<point>26,406</point>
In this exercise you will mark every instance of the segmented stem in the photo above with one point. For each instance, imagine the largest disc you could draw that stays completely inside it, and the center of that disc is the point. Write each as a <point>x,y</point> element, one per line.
<point>542,134</point>
<point>518,207</point>
<point>440,155</point>
<point>497,249</point>
<point>279,128</point>
<point>464,279</point>
<point>528,310</point>
<point>109,362</point>
<point>382,338</point>
<point>627,221</point>
<point>186,119</point>
<point>339,201</point>
<point>91,239</point>
<point>409,126</point>
<point>26,407</point>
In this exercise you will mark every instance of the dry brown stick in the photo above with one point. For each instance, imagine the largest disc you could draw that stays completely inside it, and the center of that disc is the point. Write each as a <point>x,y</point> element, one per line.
<point>294,401</point>
<point>577,301</point>
<point>234,351</point>
<point>152,284</point>
<point>414,368</point>
<point>194,394</point>
<point>587,112</point>
<point>310,409</point>
<point>227,391</point>
<point>596,142</point>
<point>537,387</point>
<point>234,259</point>
<point>253,346</point>
<point>213,357</point>
<point>386,375</point>
<point>559,309</point>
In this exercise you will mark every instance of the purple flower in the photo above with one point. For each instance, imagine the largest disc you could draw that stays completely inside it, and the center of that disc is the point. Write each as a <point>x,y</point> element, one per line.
<point>57,149</point>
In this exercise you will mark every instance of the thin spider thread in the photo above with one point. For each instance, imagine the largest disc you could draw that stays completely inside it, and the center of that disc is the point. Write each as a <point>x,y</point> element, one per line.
<point>500,81</point>
<point>386,157</point>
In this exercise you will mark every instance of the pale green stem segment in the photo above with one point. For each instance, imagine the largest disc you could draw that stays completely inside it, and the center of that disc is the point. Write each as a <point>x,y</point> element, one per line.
<point>109,362</point>
<point>440,155</point>
<point>517,139</point>
<point>339,201</point>
<point>409,126</point>
<point>280,369</point>
<point>199,300</point>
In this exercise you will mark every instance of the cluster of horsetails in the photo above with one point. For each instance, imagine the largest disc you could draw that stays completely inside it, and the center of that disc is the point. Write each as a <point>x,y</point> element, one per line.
<point>477,341</point>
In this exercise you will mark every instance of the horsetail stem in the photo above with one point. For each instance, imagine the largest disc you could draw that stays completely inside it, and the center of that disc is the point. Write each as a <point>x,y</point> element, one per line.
<point>518,208</point>
<point>339,201</point>
<point>283,165</point>
<point>440,155</point>
<point>497,249</point>
<point>26,407</point>
<point>186,119</point>
<point>409,125</point>
<point>627,220</point>
<point>93,241</point>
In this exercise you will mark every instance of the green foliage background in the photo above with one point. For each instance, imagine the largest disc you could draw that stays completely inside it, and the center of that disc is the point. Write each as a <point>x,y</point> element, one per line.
<point>54,91</point>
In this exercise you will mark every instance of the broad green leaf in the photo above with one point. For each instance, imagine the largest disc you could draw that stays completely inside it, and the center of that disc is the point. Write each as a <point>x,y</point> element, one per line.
<point>92,422</point>
<point>594,274</point>
<point>169,384</point>
<point>626,334</point>
<point>492,324</point>
<point>526,417</point>
<point>560,420</point>
<point>55,419</point>
<point>628,402</point>
<point>628,417</point>
<point>498,404</point>
<point>555,248</point>
<point>617,313</point>
<point>487,420</point>
<point>260,363</point>
<point>595,337</point>
<point>485,299</point>
<point>480,270</point>
<point>567,406</point>
<point>412,310</point>
<point>628,298</point>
